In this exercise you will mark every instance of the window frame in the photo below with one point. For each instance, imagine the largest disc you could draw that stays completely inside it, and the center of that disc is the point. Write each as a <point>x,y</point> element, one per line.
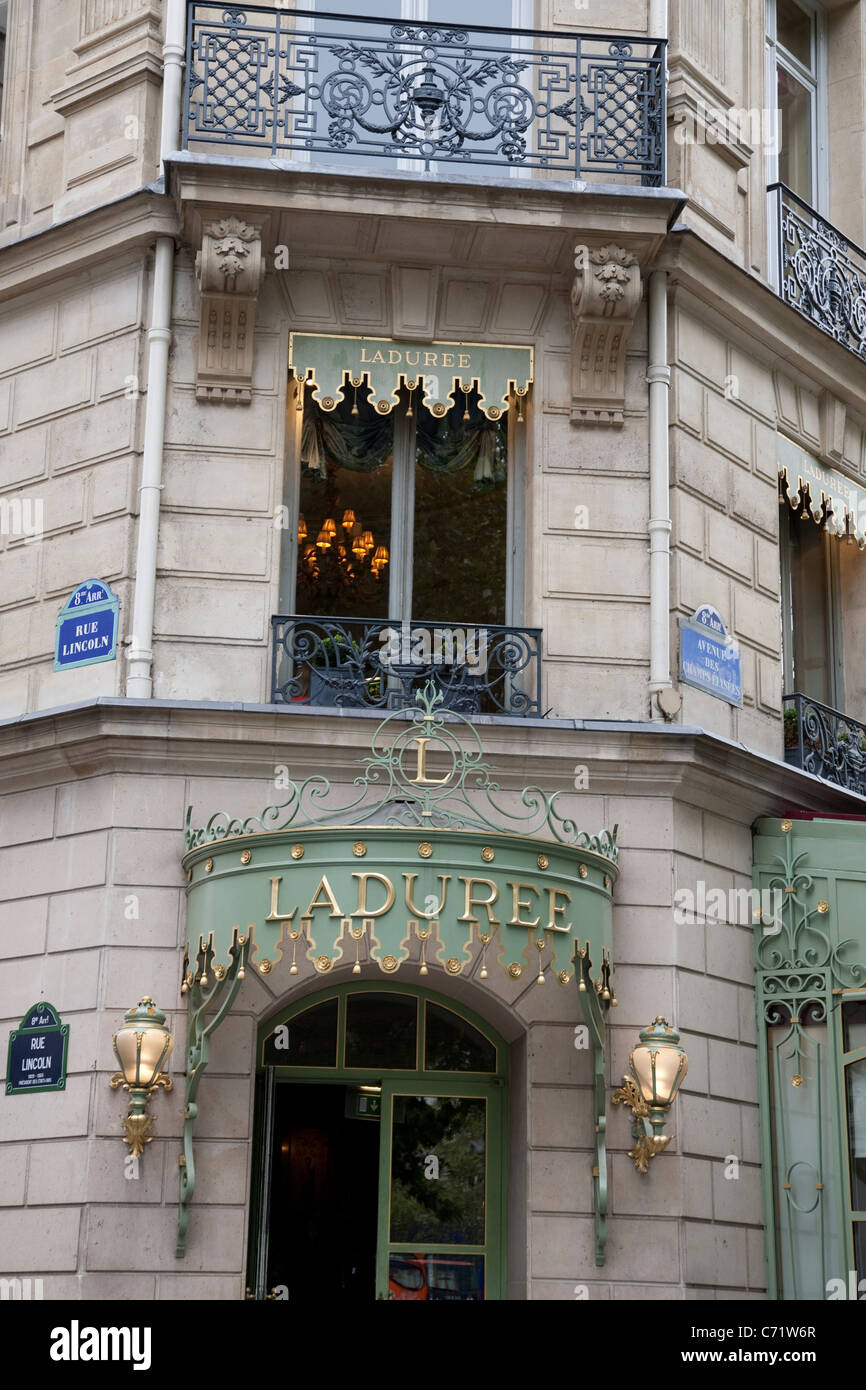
<point>832,617</point>
<point>402,513</point>
<point>814,79</point>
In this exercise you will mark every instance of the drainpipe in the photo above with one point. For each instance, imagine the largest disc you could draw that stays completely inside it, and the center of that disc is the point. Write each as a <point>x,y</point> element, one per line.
<point>662,706</point>
<point>139,680</point>
<point>659,379</point>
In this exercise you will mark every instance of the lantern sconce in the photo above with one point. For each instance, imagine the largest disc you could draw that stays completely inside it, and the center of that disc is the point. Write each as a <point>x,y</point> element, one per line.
<point>142,1046</point>
<point>658,1066</point>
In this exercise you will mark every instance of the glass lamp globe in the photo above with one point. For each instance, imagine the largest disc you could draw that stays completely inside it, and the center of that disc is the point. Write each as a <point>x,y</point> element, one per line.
<point>143,1045</point>
<point>659,1066</point>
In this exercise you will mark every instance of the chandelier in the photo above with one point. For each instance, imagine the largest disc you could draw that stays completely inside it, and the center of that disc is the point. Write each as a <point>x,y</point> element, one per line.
<point>349,548</point>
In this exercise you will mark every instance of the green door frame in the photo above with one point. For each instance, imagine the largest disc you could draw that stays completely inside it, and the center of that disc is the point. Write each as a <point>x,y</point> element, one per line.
<point>490,1085</point>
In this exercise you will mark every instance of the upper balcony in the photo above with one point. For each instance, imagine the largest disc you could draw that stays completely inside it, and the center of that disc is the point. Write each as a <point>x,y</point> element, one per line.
<point>819,272</point>
<point>309,87</point>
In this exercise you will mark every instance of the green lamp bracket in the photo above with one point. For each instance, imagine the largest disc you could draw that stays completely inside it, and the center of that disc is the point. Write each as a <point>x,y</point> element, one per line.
<point>202,999</point>
<point>596,997</point>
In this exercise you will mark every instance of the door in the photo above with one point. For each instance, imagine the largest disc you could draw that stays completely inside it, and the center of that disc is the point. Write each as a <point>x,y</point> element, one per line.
<point>440,1193</point>
<point>380,1151</point>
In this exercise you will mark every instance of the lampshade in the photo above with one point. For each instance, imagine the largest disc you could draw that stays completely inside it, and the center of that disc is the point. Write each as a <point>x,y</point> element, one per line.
<point>348,519</point>
<point>143,1044</point>
<point>329,526</point>
<point>323,540</point>
<point>367,540</point>
<point>302,528</point>
<point>659,1064</point>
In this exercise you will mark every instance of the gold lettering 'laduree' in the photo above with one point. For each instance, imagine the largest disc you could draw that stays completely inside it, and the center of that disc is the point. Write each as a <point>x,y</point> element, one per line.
<point>410,358</point>
<point>324,897</point>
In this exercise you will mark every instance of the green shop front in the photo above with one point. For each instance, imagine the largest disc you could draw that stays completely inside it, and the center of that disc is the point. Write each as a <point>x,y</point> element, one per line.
<point>810,945</point>
<point>407,911</point>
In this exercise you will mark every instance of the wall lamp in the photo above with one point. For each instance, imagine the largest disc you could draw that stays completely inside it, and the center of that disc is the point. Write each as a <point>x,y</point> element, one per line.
<point>142,1047</point>
<point>658,1066</point>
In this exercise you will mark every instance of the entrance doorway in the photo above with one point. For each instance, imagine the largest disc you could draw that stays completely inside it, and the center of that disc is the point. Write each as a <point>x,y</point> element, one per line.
<point>380,1151</point>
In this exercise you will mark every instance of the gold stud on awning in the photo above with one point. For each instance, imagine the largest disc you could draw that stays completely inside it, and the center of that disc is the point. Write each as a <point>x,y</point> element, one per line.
<point>331,364</point>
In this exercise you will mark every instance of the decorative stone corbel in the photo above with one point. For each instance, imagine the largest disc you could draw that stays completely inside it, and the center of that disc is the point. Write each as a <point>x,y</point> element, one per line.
<point>229,269</point>
<point>604,298</point>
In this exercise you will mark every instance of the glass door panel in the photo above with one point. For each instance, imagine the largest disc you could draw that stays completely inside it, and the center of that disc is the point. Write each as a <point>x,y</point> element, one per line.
<point>440,1195</point>
<point>795,104</point>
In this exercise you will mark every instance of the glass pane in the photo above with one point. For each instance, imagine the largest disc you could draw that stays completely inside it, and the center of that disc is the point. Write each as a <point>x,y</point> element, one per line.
<point>436,1278</point>
<point>307,1040</point>
<point>854,1025</point>
<point>344,528</point>
<point>810,601</point>
<point>794,30</point>
<point>795,133</point>
<point>460,515</point>
<point>381,1031</point>
<point>856,1095</point>
<point>438,1169</point>
<point>860,1250</point>
<point>454,1045</point>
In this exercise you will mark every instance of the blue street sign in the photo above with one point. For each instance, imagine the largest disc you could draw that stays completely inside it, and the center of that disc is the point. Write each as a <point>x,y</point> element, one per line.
<point>37,1052</point>
<point>709,658</point>
<point>87,627</point>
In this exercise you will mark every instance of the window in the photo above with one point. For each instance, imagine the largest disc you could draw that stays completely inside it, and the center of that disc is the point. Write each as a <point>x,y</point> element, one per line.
<point>796,88</point>
<point>811,635</point>
<point>402,515</point>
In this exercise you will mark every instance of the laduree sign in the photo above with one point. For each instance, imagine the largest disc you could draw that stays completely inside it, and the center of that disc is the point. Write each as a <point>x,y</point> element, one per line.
<point>87,627</point>
<point>37,1052</point>
<point>441,878</point>
<point>709,658</point>
<point>331,364</point>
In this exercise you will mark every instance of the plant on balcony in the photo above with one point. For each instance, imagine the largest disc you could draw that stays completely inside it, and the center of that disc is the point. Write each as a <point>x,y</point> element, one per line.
<point>791,728</point>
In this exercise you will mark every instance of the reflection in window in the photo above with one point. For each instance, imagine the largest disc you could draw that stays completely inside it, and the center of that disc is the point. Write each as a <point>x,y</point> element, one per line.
<point>452,1044</point>
<point>381,1031</point>
<point>436,1278</point>
<point>438,1170</point>
<point>307,1040</point>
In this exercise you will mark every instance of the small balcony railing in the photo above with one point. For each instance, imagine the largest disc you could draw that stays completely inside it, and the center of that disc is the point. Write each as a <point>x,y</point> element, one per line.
<point>353,663</point>
<point>820,740</point>
<point>820,272</point>
<point>306,84</point>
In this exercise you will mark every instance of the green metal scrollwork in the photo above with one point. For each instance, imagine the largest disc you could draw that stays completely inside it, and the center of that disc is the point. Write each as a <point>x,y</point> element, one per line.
<point>596,996</point>
<point>203,999</point>
<point>460,800</point>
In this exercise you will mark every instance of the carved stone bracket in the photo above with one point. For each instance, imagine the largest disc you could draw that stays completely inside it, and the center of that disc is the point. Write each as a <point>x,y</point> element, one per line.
<point>230,269</point>
<point>604,298</point>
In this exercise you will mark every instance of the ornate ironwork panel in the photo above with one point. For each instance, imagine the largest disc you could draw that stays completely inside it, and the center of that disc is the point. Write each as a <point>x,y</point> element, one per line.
<point>358,664</point>
<point>282,81</point>
<point>821,273</point>
<point>822,741</point>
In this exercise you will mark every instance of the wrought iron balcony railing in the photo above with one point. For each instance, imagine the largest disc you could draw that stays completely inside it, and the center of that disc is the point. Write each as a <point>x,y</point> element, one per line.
<point>356,663</point>
<point>821,273</point>
<point>304,84</point>
<point>820,740</point>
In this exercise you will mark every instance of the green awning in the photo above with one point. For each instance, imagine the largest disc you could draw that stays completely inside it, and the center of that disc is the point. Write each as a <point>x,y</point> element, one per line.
<point>442,370</point>
<point>831,499</point>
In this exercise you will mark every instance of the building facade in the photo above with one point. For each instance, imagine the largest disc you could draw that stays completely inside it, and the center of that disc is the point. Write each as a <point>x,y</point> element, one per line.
<point>450,412</point>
